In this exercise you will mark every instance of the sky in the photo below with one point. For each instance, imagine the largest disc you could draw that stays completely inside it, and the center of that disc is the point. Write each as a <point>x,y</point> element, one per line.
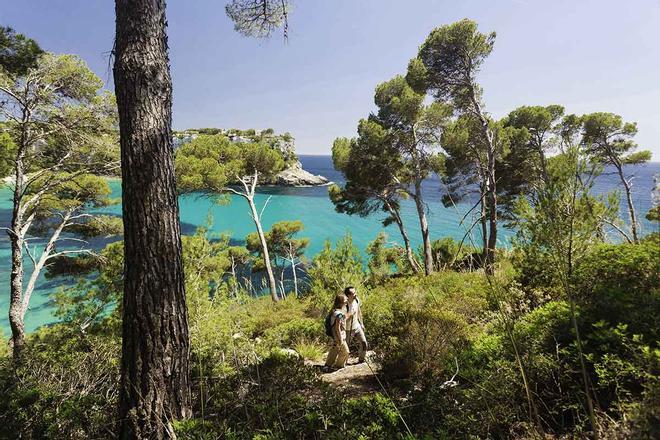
<point>588,55</point>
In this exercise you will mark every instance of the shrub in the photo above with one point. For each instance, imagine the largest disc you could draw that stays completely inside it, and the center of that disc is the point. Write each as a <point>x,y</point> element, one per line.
<point>260,397</point>
<point>621,284</point>
<point>312,350</point>
<point>65,387</point>
<point>334,269</point>
<point>385,261</point>
<point>291,332</point>
<point>448,254</point>
<point>423,348</point>
<point>261,314</point>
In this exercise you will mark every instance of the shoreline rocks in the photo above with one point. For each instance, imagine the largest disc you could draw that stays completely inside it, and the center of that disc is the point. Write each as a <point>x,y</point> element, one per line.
<point>295,175</point>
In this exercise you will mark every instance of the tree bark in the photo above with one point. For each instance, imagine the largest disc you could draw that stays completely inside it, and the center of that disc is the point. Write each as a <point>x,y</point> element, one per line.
<point>629,201</point>
<point>484,222</point>
<point>424,226</point>
<point>264,247</point>
<point>491,187</point>
<point>295,276</point>
<point>154,388</point>
<point>41,262</point>
<point>404,234</point>
<point>492,217</point>
<point>17,238</point>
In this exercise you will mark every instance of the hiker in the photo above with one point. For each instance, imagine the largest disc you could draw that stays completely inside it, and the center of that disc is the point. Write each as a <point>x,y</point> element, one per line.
<point>338,354</point>
<point>354,324</point>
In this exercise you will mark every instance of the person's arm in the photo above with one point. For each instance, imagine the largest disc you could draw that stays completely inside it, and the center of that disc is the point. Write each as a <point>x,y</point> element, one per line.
<point>348,312</point>
<point>337,329</point>
<point>360,316</point>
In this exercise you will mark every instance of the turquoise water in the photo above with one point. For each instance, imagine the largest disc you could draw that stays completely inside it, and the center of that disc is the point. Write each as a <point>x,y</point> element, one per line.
<point>310,205</point>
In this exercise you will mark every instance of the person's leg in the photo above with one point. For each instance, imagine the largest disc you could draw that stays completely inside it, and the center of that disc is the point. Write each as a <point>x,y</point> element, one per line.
<point>349,338</point>
<point>362,345</point>
<point>342,355</point>
<point>332,355</point>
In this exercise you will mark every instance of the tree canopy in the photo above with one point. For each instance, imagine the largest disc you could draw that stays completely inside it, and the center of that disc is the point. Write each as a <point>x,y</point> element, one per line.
<point>210,163</point>
<point>18,53</point>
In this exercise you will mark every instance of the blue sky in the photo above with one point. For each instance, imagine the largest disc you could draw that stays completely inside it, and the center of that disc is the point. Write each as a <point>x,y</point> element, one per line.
<point>588,55</point>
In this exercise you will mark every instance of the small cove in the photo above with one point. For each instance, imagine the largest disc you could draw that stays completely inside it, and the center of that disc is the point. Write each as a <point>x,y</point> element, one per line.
<point>309,205</point>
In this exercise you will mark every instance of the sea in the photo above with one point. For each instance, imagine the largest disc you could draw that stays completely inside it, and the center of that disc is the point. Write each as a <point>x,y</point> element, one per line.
<point>310,205</point>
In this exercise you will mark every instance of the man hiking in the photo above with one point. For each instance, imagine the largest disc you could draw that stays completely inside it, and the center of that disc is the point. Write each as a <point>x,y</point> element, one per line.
<point>354,324</point>
<point>338,354</point>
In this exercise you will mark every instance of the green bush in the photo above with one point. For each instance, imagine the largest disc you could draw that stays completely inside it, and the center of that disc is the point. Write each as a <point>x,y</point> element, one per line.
<point>423,348</point>
<point>332,270</point>
<point>291,332</point>
<point>621,284</point>
<point>448,254</point>
<point>280,398</point>
<point>310,350</point>
<point>65,387</point>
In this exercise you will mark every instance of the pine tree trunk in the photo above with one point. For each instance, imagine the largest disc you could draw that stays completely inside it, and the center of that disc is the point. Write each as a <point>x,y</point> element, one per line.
<point>404,234</point>
<point>492,218</point>
<point>16,239</point>
<point>295,276</point>
<point>484,225</point>
<point>424,226</point>
<point>264,247</point>
<point>491,187</point>
<point>155,388</point>
<point>16,294</point>
<point>631,206</point>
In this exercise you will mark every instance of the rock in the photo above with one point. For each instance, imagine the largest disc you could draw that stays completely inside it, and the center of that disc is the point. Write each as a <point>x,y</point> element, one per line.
<point>295,175</point>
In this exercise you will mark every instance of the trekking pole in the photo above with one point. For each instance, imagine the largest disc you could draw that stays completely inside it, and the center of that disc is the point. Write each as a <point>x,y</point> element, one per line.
<point>390,398</point>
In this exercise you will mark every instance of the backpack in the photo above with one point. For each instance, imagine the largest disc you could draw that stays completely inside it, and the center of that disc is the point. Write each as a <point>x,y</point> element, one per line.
<point>328,324</point>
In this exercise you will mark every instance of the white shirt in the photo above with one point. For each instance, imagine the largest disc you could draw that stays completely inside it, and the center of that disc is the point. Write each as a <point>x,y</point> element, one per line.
<point>354,308</point>
<point>339,315</point>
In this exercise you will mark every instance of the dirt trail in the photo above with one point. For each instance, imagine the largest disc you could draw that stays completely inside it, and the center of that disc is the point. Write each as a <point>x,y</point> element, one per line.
<point>356,379</point>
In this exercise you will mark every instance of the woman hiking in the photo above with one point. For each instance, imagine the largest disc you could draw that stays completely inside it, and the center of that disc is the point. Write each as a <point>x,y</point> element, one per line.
<point>338,354</point>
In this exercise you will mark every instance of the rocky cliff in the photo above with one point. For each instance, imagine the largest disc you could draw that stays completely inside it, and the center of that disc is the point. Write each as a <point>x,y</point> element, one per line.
<point>292,175</point>
<point>295,175</point>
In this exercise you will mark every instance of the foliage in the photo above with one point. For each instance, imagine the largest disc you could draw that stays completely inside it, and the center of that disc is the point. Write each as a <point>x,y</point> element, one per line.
<point>441,66</point>
<point>62,138</point>
<point>620,284</point>
<point>654,214</point>
<point>89,301</point>
<point>66,386</point>
<point>559,225</point>
<point>18,53</point>
<point>448,254</point>
<point>257,402</point>
<point>282,245</point>
<point>610,140</point>
<point>533,135</point>
<point>332,270</point>
<point>446,66</point>
<point>368,165</point>
<point>7,154</point>
<point>387,309</point>
<point>396,149</point>
<point>384,261</point>
<point>248,382</point>
<point>210,163</point>
<point>258,18</point>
